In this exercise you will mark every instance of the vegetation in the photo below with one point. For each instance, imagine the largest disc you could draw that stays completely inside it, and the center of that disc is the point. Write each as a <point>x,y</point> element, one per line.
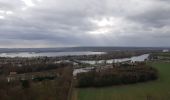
<point>163,56</point>
<point>117,76</point>
<point>5,69</point>
<point>39,88</point>
<point>154,90</point>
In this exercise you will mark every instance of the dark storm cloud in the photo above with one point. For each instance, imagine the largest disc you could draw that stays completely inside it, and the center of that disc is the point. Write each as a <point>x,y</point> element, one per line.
<point>52,23</point>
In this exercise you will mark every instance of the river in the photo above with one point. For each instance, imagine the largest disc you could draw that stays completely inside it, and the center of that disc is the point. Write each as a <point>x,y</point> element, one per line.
<point>134,58</point>
<point>48,54</point>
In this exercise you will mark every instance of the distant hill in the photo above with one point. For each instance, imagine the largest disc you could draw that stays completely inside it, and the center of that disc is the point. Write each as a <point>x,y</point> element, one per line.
<point>74,49</point>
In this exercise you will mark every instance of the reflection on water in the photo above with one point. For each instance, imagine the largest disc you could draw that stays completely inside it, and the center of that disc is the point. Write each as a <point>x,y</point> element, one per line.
<point>48,54</point>
<point>135,58</point>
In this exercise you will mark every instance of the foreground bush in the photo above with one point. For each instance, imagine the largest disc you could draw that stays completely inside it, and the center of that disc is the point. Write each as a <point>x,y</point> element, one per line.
<point>117,76</point>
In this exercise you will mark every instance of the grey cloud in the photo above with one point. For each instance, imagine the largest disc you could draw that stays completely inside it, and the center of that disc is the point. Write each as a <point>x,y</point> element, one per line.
<point>52,23</point>
<point>155,18</point>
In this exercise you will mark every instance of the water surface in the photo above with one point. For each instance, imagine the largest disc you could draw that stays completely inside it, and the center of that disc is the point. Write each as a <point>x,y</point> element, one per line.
<point>48,54</point>
<point>134,58</point>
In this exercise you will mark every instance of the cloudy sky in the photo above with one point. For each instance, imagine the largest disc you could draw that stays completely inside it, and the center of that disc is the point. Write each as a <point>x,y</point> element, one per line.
<point>62,23</point>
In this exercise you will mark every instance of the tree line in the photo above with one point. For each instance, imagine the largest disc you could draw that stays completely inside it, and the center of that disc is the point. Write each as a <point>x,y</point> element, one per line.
<point>117,76</point>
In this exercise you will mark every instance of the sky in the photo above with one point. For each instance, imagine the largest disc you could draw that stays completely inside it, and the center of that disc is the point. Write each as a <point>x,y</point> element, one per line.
<point>67,23</point>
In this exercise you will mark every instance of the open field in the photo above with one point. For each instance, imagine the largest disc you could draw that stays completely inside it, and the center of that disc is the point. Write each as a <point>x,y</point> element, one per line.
<point>155,90</point>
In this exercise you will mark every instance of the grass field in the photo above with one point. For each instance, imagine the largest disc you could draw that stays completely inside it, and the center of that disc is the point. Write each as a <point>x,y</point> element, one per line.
<point>155,90</point>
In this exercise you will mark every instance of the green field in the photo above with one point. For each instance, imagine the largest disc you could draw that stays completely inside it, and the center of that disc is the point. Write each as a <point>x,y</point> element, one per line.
<point>155,90</point>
